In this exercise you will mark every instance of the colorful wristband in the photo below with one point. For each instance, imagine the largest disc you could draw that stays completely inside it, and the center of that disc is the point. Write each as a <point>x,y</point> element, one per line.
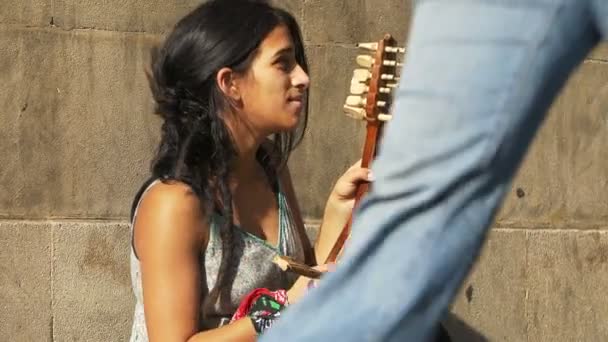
<point>262,306</point>
<point>264,311</point>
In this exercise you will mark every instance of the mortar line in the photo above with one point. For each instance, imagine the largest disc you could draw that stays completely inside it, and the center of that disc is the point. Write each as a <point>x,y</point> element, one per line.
<point>596,61</point>
<point>527,287</point>
<point>58,28</point>
<point>52,244</point>
<point>567,227</point>
<point>570,227</point>
<point>63,220</point>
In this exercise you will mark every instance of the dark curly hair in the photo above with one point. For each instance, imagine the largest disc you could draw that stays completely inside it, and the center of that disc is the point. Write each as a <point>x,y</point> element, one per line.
<point>196,145</point>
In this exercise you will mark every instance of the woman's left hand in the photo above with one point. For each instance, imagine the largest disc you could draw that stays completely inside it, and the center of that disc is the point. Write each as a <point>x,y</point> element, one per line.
<point>339,208</point>
<point>343,193</point>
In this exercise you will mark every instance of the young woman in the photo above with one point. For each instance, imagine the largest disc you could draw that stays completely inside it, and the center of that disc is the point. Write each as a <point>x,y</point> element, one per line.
<point>230,84</point>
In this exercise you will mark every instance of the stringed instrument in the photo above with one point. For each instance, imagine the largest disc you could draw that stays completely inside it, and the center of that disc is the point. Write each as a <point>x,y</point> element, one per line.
<point>370,100</point>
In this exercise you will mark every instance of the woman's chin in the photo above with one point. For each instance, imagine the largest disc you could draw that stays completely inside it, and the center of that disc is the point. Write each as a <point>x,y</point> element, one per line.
<point>287,126</point>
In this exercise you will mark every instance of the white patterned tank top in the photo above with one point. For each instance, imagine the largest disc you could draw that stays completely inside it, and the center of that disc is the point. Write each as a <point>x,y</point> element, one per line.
<point>249,267</point>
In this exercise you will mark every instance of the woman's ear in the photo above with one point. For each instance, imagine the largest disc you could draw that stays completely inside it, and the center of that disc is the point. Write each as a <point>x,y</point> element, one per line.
<point>226,81</point>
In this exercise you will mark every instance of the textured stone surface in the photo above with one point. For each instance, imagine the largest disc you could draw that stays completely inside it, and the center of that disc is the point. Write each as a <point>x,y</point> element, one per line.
<point>585,116</point>
<point>567,292</point>
<point>333,141</point>
<point>26,12</point>
<point>77,131</point>
<point>492,299</point>
<point>77,134</point>
<point>92,293</point>
<point>25,281</point>
<point>600,52</point>
<point>352,21</point>
<point>295,7</point>
<point>139,16</point>
<point>151,16</point>
<point>538,192</point>
<point>563,178</point>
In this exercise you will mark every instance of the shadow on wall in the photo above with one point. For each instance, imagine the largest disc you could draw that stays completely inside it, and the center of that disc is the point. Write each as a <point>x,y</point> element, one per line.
<point>460,331</point>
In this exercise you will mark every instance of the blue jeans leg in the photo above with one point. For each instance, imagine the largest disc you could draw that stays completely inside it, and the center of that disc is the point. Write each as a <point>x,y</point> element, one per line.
<point>479,77</point>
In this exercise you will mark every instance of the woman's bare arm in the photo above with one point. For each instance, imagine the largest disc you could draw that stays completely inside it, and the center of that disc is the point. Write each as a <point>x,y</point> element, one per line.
<point>171,232</point>
<point>338,208</point>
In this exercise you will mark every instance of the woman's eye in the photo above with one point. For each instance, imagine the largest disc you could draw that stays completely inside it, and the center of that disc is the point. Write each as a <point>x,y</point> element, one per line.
<point>285,64</point>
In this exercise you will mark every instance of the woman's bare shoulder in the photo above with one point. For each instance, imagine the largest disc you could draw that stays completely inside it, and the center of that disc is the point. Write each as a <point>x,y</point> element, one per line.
<point>170,214</point>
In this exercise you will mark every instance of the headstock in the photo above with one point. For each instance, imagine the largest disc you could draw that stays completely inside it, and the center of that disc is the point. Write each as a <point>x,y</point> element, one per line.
<point>370,99</point>
<point>373,83</point>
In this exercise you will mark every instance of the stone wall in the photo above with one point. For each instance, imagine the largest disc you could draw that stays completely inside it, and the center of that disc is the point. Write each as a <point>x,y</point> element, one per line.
<point>77,134</point>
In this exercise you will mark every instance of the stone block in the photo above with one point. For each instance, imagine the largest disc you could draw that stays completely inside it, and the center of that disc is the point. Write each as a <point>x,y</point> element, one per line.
<point>151,16</point>
<point>562,180</point>
<point>585,107</point>
<point>600,52</point>
<point>333,141</point>
<point>537,197</point>
<point>567,279</point>
<point>78,130</point>
<point>492,301</point>
<point>92,295</point>
<point>25,281</point>
<point>295,7</point>
<point>347,21</point>
<point>26,12</point>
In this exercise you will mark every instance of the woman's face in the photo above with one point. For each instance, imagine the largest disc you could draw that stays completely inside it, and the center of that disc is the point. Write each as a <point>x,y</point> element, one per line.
<point>274,89</point>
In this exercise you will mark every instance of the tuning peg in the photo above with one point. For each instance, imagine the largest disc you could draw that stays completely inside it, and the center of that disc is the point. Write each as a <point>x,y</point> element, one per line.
<point>368,46</point>
<point>374,47</point>
<point>357,88</point>
<point>368,61</point>
<point>356,83</point>
<point>389,77</point>
<point>394,49</point>
<point>355,100</point>
<point>384,117</point>
<point>354,112</point>
<point>363,75</point>
<point>365,61</point>
<point>359,114</point>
